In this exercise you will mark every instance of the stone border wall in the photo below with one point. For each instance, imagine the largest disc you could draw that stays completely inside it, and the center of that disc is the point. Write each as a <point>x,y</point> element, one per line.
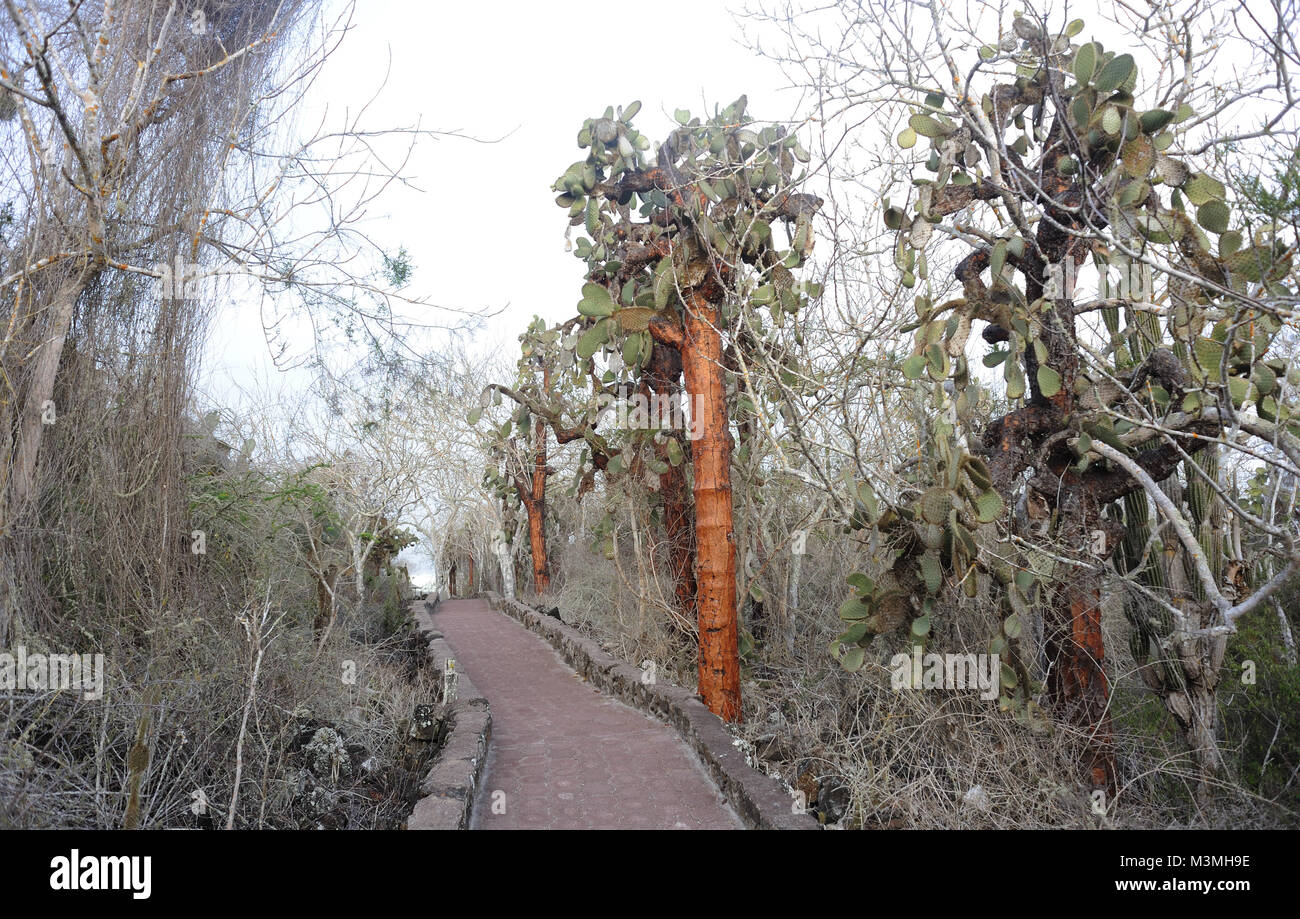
<point>448,790</point>
<point>759,800</point>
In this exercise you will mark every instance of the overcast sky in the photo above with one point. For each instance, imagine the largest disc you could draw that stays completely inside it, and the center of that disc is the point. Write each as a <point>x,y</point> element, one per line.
<point>484,231</point>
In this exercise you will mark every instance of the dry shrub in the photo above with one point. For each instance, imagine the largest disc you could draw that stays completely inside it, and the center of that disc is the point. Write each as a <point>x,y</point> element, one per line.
<point>870,756</point>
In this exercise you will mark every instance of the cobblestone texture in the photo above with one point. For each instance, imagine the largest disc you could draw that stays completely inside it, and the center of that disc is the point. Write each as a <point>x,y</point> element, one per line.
<point>564,755</point>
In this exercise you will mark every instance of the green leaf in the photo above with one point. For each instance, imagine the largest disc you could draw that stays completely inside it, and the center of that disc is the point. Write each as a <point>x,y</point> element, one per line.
<point>1110,120</point>
<point>682,116</point>
<point>665,285</point>
<point>1015,378</point>
<point>1011,626</point>
<point>1115,72</point>
<point>1049,381</point>
<point>926,126</point>
<point>1229,244</point>
<point>1081,110</point>
<point>852,659</point>
<point>998,259</point>
<point>592,339</point>
<point>867,498</point>
<point>474,415</point>
<point>1214,216</point>
<point>934,505</point>
<point>1239,389</point>
<point>914,366</point>
<point>1203,187</point>
<point>921,627</point>
<point>1154,119</point>
<point>907,138</point>
<point>854,633</point>
<point>632,350</point>
<point>990,506</point>
<point>595,301</point>
<point>1085,63</point>
<point>854,609</point>
<point>1074,28</point>
<point>861,583</point>
<point>936,362</point>
<point>1265,379</point>
<point>931,573</point>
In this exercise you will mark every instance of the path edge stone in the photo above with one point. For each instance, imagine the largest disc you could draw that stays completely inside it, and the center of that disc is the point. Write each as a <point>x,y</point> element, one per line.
<point>760,801</point>
<point>448,789</point>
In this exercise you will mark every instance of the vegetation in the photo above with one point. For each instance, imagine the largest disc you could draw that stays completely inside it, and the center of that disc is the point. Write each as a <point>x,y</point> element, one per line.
<point>989,356</point>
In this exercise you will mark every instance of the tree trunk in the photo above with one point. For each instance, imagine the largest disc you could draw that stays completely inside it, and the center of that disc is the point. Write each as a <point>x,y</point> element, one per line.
<point>663,373</point>
<point>472,586</point>
<point>506,564</point>
<point>325,587</point>
<point>715,569</point>
<point>1077,682</point>
<point>536,506</point>
<point>1195,706</point>
<point>359,558</point>
<point>40,390</point>
<point>451,581</point>
<point>792,602</point>
<point>1288,639</point>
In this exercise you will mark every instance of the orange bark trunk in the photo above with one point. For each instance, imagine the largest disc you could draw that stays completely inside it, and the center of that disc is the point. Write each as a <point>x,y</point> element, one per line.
<point>664,372</point>
<point>715,559</point>
<point>536,506</point>
<point>1079,683</point>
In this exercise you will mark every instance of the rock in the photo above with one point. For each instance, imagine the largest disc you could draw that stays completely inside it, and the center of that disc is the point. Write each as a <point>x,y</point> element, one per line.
<point>833,799</point>
<point>312,800</point>
<point>327,756</point>
<point>358,756</point>
<point>425,722</point>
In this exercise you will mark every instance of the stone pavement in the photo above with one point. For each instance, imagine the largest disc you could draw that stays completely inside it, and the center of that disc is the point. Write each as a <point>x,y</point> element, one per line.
<point>564,755</point>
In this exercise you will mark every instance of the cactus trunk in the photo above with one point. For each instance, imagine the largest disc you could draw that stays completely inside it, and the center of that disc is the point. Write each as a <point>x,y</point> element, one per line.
<point>715,561</point>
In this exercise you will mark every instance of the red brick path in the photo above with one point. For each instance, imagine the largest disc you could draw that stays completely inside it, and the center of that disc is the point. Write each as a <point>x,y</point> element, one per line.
<point>565,755</point>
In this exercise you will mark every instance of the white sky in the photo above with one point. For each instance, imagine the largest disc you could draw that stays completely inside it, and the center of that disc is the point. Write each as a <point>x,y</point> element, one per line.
<point>485,232</point>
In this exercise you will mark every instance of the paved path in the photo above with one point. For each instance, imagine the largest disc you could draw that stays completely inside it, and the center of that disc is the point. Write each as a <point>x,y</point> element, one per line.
<point>565,755</point>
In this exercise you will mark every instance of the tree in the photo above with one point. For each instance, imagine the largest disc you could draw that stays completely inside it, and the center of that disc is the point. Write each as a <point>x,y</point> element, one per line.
<point>519,469</point>
<point>149,167</point>
<point>683,282</point>
<point>1052,161</point>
